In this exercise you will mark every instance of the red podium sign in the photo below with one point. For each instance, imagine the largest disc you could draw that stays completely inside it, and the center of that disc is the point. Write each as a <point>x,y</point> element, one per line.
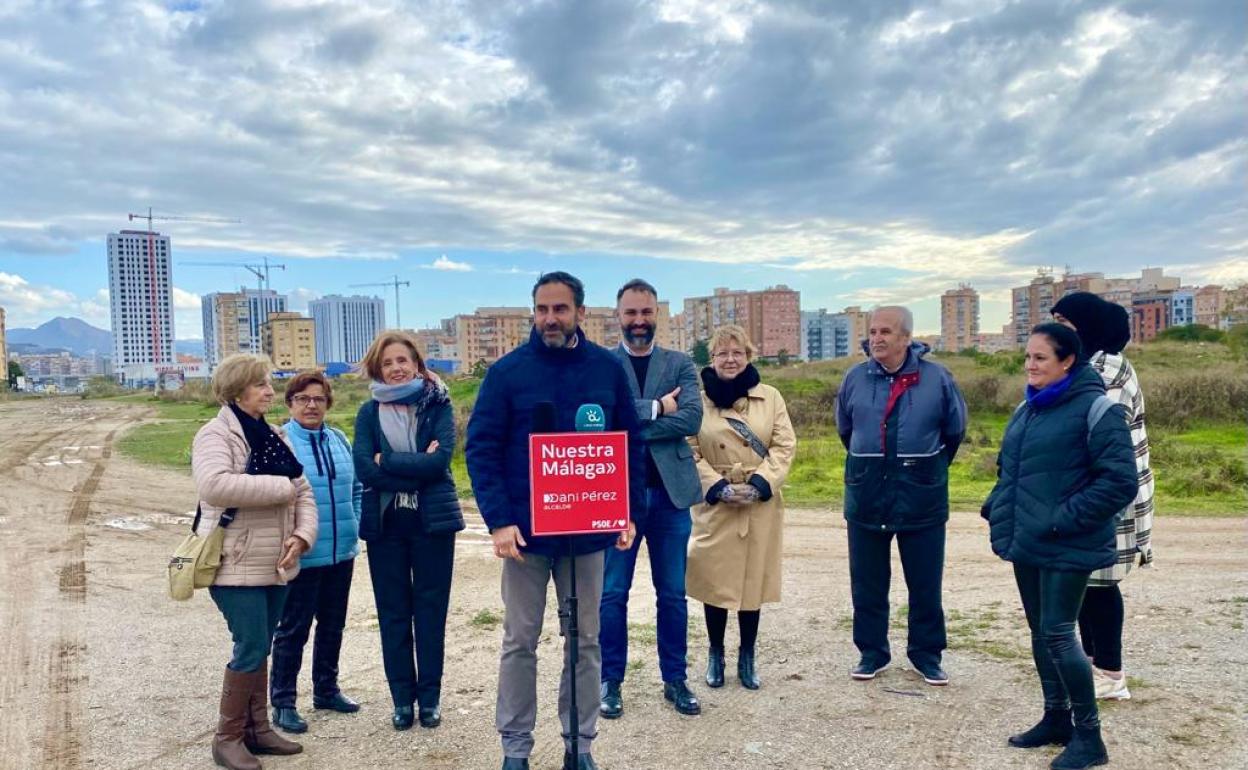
<point>579,482</point>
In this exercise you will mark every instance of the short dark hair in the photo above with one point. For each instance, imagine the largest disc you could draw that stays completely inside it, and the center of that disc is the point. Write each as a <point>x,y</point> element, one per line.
<point>637,284</point>
<point>1064,339</point>
<point>567,279</point>
<point>302,380</point>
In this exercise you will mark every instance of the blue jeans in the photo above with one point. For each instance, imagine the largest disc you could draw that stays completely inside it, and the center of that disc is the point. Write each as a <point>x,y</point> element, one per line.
<point>666,531</point>
<point>252,614</point>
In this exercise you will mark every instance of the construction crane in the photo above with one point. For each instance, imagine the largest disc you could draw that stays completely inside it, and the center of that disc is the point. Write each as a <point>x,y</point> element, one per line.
<point>151,269</point>
<point>259,269</point>
<point>396,283</point>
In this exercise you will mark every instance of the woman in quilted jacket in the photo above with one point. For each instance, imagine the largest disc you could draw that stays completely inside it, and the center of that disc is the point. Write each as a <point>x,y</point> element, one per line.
<point>321,591</point>
<point>249,481</point>
<point>1062,477</point>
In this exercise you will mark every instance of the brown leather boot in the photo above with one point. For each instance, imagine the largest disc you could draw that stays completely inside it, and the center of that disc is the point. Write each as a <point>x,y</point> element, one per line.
<point>227,745</point>
<point>260,736</point>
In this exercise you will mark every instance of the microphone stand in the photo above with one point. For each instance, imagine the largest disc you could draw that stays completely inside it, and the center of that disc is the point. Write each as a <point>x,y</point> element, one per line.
<point>568,612</point>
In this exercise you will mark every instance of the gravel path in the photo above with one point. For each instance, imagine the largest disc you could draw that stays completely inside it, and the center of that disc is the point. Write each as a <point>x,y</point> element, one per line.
<point>100,669</point>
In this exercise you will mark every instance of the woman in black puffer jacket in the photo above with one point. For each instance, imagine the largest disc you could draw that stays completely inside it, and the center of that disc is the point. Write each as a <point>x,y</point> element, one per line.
<point>1063,473</point>
<point>404,439</point>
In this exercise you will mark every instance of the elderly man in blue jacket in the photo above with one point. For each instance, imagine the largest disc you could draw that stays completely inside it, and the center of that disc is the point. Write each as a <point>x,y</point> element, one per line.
<point>664,386</point>
<point>901,418</point>
<point>556,372</point>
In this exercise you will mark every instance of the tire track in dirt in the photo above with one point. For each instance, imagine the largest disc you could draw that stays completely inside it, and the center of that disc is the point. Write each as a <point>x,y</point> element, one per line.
<point>62,738</point>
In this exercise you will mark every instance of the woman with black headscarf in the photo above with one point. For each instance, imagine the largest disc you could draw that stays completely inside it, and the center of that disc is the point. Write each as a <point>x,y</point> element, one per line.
<point>1104,330</point>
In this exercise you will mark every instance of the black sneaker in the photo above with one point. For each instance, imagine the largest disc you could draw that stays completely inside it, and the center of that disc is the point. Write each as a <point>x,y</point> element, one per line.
<point>866,670</point>
<point>612,706</point>
<point>682,698</point>
<point>932,673</point>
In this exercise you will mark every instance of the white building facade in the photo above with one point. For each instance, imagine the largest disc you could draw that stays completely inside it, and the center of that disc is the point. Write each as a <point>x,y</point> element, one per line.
<point>140,298</point>
<point>346,326</point>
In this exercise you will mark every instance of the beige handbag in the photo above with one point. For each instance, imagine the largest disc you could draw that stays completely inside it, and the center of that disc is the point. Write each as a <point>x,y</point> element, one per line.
<point>196,559</point>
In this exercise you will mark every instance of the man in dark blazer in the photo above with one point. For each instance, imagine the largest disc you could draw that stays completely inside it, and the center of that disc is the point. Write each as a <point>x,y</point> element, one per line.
<point>669,407</point>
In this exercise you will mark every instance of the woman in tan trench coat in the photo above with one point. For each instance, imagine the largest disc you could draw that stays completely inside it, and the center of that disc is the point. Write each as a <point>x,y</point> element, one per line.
<point>743,452</point>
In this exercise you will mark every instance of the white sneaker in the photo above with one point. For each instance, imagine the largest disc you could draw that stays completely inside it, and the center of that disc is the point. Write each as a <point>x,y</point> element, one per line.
<point>1109,688</point>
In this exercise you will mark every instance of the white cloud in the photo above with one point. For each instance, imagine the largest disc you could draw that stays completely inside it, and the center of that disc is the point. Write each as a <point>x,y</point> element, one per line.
<point>300,297</point>
<point>29,304</point>
<point>964,140</point>
<point>446,263</point>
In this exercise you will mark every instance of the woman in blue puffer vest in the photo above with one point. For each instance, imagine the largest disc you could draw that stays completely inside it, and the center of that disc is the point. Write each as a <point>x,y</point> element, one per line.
<point>1066,469</point>
<point>321,590</point>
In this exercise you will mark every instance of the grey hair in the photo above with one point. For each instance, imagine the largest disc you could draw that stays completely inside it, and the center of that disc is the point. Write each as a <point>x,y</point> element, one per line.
<point>907,318</point>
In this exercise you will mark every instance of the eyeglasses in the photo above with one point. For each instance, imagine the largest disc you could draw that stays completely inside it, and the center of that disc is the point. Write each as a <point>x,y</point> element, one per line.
<point>302,400</point>
<point>736,355</point>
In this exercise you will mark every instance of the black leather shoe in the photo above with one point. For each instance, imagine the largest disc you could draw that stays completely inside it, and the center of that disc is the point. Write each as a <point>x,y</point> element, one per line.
<point>403,717</point>
<point>430,716</point>
<point>515,763</point>
<point>680,696</point>
<point>336,702</point>
<point>866,670</point>
<point>582,762</point>
<point>746,672</point>
<point>288,720</point>
<point>715,667</point>
<point>612,706</point>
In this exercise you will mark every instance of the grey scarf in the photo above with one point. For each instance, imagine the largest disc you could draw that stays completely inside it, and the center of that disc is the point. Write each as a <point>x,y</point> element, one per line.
<point>398,424</point>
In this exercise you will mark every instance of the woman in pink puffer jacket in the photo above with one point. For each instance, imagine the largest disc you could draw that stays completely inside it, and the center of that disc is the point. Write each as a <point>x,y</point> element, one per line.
<point>250,482</point>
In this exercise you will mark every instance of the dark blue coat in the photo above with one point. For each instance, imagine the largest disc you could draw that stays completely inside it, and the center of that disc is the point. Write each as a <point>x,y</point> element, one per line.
<point>1058,488</point>
<point>426,473</point>
<point>497,447</point>
<point>897,472</point>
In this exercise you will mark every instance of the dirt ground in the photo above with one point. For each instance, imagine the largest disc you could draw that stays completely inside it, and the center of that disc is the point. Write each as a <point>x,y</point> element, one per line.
<point>100,669</point>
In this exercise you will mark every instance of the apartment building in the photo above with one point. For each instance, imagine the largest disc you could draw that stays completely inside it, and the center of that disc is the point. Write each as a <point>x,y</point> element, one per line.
<point>289,340</point>
<point>959,319</point>
<point>140,300</point>
<point>233,322</point>
<point>346,326</point>
<point>771,317</point>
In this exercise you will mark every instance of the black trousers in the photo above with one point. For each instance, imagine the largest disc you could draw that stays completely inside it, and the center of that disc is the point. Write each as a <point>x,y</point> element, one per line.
<point>1100,626</point>
<point>1051,599</point>
<point>320,594</point>
<point>412,587</point>
<point>870,572</point>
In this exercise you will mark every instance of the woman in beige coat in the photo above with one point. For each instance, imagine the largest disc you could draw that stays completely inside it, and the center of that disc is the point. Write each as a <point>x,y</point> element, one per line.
<point>743,452</point>
<point>250,483</point>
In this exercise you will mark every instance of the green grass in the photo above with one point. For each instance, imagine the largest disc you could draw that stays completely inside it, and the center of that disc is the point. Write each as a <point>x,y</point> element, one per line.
<point>487,619</point>
<point>1195,395</point>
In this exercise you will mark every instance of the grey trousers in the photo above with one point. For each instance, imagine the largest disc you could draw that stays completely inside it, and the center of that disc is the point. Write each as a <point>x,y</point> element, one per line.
<point>524,603</point>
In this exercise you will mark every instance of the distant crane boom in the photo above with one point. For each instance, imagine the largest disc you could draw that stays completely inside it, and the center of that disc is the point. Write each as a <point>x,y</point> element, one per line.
<point>259,269</point>
<point>396,283</point>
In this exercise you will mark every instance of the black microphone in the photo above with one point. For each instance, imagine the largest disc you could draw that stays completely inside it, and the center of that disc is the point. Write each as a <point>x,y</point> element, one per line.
<point>544,417</point>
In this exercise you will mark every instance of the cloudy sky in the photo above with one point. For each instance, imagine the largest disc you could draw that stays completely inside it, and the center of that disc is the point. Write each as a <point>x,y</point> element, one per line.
<point>860,151</point>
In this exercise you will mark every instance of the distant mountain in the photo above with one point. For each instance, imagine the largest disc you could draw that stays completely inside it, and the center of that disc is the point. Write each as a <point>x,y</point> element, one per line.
<point>79,337</point>
<point>72,334</point>
<point>189,347</point>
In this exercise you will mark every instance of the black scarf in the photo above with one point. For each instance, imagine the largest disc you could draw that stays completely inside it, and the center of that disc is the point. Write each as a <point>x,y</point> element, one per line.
<point>269,454</point>
<point>724,393</point>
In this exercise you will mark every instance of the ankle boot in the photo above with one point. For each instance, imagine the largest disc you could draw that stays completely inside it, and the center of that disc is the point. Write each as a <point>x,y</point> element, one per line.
<point>260,737</point>
<point>745,670</point>
<point>228,749</point>
<point>1053,729</point>
<point>715,667</point>
<point>1086,749</point>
